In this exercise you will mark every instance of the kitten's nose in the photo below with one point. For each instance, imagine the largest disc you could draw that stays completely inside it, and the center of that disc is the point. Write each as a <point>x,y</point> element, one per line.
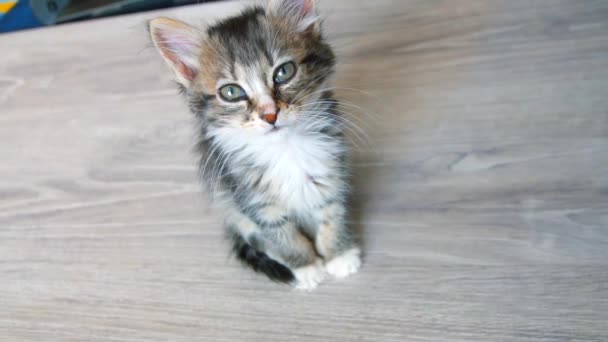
<point>269,113</point>
<point>270,118</point>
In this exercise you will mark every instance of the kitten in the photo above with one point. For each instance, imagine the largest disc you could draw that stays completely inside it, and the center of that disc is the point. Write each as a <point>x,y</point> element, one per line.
<point>271,138</point>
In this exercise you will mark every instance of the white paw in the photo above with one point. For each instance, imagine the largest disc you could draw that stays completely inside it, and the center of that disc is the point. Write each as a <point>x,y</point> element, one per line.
<point>308,277</point>
<point>345,264</point>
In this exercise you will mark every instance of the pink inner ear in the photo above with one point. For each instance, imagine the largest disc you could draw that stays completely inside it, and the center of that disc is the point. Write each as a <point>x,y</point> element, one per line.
<point>184,70</point>
<point>298,8</point>
<point>308,7</point>
<point>177,48</point>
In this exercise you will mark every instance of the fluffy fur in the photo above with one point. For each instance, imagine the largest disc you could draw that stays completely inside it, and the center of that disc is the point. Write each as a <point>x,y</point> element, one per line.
<point>283,184</point>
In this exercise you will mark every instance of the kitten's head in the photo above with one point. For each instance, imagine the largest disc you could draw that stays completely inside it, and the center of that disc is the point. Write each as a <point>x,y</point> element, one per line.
<point>253,74</point>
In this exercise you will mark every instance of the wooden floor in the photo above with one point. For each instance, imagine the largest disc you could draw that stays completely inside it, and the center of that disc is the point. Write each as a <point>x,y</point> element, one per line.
<point>483,204</point>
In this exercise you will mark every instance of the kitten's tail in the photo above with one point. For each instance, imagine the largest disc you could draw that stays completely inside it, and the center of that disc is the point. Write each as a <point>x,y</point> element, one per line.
<point>260,262</point>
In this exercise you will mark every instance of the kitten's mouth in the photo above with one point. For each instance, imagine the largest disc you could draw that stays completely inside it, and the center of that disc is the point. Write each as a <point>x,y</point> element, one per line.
<point>276,129</point>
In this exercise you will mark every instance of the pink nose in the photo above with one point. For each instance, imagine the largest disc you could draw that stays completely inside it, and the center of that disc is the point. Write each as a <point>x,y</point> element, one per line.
<point>269,113</point>
<point>270,118</point>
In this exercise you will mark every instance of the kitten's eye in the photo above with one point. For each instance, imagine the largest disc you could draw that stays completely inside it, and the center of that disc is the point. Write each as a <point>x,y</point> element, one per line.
<point>233,93</point>
<point>284,73</point>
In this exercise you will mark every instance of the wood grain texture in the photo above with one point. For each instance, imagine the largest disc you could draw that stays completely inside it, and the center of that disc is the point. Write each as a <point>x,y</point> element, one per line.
<point>483,207</point>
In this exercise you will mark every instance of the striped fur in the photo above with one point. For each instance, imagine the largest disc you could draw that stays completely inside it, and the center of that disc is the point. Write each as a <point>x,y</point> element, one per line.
<point>282,185</point>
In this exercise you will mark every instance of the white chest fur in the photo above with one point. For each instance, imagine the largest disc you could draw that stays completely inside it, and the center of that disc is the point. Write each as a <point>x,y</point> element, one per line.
<point>299,168</point>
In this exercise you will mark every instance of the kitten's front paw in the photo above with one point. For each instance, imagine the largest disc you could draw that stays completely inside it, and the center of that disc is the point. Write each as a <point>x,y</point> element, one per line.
<point>345,264</point>
<point>308,277</point>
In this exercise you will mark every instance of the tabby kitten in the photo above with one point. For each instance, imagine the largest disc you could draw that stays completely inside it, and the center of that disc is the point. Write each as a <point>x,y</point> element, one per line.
<point>271,138</point>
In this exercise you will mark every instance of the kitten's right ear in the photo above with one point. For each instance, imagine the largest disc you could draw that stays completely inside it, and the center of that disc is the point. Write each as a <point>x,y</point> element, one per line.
<point>180,45</point>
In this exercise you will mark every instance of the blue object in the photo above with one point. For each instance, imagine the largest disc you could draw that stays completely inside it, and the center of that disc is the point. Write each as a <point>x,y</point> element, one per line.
<point>34,13</point>
<point>19,17</point>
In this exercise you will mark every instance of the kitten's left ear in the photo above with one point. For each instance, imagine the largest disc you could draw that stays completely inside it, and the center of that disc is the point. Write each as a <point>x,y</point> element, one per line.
<point>180,45</point>
<point>301,12</point>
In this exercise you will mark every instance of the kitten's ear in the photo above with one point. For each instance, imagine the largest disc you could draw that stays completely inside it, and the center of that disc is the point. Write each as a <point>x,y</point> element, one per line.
<point>302,12</point>
<point>180,45</point>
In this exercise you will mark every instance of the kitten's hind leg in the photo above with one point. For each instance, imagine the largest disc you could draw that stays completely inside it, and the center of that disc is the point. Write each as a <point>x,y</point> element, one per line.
<point>249,253</point>
<point>248,246</point>
<point>336,243</point>
<point>270,243</point>
<point>287,244</point>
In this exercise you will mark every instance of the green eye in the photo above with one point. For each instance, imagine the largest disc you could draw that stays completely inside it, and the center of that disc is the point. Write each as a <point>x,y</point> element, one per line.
<point>284,73</point>
<point>233,93</point>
